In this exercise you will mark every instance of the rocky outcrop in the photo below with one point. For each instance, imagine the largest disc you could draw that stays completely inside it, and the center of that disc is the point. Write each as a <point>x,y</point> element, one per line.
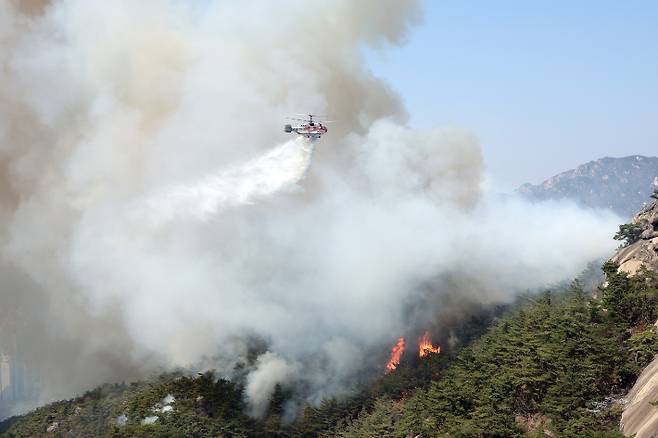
<point>622,185</point>
<point>644,252</point>
<point>640,416</point>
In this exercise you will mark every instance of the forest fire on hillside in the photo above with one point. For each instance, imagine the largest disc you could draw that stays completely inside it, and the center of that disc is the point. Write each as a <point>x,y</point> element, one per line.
<point>425,345</point>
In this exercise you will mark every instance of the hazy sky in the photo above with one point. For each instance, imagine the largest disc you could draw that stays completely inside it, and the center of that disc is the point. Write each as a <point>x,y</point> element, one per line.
<point>545,85</point>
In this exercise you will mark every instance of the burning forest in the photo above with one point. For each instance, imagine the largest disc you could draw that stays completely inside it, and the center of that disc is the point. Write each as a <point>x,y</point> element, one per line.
<point>155,217</point>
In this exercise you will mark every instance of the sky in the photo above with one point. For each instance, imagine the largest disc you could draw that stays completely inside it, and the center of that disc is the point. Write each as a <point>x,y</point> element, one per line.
<point>544,85</point>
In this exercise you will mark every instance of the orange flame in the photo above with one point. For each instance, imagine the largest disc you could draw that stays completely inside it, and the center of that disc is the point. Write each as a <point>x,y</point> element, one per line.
<point>425,345</point>
<point>396,354</point>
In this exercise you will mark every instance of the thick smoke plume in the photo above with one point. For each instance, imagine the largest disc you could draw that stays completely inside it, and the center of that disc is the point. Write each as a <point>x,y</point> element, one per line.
<point>154,215</point>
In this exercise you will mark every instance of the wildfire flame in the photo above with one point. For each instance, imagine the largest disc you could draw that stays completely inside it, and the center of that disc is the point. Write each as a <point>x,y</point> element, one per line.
<point>425,345</point>
<point>396,354</point>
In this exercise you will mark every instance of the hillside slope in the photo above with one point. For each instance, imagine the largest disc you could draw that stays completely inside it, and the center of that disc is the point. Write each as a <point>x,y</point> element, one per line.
<point>556,364</point>
<point>548,366</point>
<point>622,185</point>
<point>171,405</point>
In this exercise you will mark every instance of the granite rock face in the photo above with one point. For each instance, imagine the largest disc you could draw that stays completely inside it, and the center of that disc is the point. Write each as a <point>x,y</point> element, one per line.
<point>640,417</point>
<point>644,252</point>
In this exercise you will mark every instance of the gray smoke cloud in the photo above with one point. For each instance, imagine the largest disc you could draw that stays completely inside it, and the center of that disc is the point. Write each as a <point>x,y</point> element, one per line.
<point>154,215</point>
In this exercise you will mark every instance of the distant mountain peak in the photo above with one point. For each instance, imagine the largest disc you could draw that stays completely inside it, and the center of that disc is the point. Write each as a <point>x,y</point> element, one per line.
<point>623,185</point>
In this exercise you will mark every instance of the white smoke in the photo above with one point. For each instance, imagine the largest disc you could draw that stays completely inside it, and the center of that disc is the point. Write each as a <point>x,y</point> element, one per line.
<point>270,371</point>
<point>160,225</point>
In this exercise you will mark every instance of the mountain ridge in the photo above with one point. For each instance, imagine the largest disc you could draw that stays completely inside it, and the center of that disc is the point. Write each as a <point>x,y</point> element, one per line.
<point>621,184</point>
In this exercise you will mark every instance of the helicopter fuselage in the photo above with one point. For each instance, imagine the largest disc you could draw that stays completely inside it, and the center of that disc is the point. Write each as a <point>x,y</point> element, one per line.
<point>311,129</point>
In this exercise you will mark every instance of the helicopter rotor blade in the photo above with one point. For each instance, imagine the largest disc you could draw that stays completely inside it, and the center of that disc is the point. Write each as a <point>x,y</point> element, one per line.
<point>311,115</point>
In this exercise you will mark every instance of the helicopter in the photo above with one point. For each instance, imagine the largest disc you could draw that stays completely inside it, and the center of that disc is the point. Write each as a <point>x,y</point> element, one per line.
<point>311,128</point>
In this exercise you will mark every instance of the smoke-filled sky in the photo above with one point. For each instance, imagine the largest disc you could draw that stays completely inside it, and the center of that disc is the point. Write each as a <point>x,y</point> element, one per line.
<point>155,215</point>
<point>546,85</point>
